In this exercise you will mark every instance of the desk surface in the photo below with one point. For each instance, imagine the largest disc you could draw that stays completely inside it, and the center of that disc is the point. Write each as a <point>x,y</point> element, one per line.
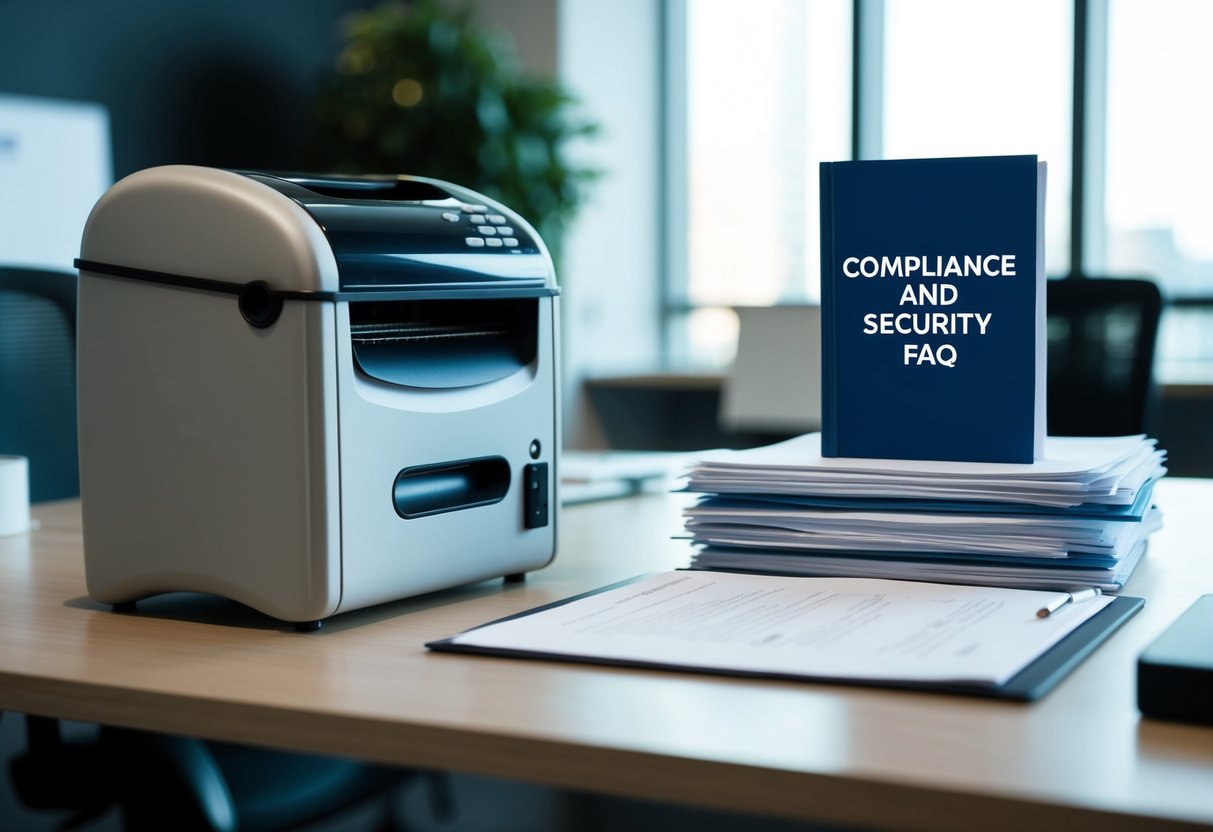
<point>366,686</point>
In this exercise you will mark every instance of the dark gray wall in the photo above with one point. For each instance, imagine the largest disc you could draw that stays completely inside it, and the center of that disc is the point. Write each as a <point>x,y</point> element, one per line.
<point>221,82</point>
<point>214,82</point>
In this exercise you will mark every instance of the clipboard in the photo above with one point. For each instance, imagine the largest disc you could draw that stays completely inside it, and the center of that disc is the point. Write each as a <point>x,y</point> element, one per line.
<point>1031,683</point>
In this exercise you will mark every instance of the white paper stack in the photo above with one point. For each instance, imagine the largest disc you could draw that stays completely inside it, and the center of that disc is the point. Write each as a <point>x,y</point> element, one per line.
<point>1078,517</point>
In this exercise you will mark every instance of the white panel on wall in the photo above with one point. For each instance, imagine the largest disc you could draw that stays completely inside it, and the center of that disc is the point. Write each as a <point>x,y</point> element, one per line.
<point>55,162</point>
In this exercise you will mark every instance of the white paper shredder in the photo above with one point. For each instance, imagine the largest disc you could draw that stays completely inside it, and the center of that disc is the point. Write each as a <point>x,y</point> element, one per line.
<point>312,394</point>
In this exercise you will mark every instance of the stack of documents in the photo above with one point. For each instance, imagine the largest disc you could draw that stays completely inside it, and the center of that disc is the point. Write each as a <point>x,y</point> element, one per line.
<point>1079,517</point>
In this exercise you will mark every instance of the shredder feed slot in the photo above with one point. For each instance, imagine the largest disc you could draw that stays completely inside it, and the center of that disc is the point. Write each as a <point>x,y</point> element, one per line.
<point>440,344</point>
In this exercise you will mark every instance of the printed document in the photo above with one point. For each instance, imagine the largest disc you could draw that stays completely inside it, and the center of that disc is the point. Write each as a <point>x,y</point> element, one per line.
<point>828,628</point>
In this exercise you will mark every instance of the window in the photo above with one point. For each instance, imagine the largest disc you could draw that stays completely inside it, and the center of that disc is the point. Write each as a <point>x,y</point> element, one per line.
<point>983,79</point>
<point>1155,217</point>
<point>766,93</point>
<point>768,96</point>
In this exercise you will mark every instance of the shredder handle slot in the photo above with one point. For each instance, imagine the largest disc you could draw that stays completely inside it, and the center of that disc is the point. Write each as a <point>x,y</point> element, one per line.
<point>423,490</point>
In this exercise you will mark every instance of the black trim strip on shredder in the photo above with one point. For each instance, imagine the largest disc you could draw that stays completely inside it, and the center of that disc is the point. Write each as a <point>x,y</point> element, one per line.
<point>209,285</point>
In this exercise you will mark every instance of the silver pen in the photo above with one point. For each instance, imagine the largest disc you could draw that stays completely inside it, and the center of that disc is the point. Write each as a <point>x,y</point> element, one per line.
<point>1068,598</point>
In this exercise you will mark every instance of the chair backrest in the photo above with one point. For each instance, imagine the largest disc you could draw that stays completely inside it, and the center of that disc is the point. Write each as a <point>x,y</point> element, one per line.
<point>1102,333</point>
<point>38,377</point>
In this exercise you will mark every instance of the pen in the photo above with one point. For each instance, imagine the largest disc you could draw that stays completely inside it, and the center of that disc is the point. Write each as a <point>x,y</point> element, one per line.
<point>1069,598</point>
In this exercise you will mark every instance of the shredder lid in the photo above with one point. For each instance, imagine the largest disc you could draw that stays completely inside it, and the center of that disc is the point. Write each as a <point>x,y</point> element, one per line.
<point>313,237</point>
<point>402,233</point>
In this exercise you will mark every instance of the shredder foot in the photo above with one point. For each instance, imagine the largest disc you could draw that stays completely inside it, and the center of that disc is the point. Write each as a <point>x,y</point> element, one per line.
<point>516,578</point>
<point>308,626</point>
<point>124,606</point>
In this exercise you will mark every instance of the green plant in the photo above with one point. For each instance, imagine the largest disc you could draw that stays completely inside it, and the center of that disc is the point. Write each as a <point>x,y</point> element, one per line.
<point>419,88</point>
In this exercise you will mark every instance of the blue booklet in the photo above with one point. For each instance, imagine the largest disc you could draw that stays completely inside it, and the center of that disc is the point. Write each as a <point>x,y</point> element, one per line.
<point>933,309</point>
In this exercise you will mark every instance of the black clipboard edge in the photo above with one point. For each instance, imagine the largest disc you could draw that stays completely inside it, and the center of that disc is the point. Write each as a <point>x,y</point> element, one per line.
<point>1042,675</point>
<point>1030,684</point>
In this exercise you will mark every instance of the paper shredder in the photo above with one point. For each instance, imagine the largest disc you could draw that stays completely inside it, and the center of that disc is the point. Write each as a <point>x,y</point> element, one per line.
<point>312,394</point>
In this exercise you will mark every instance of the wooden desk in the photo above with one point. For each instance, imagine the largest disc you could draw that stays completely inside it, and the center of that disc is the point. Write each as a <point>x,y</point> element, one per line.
<point>365,686</point>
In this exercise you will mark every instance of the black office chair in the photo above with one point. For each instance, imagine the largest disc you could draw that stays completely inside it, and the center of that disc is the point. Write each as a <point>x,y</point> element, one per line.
<point>159,781</point>
<point>38,377</point>
<point>1102,334</point>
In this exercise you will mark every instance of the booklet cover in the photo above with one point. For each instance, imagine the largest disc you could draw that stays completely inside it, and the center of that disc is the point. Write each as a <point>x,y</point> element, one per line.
<point>933,309</point>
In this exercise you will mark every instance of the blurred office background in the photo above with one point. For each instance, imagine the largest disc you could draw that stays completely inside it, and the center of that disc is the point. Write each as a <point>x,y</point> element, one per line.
<point>712,118</point>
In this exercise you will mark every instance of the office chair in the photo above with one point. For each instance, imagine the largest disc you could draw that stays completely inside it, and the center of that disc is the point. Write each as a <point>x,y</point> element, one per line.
<point>38,377</point>
<point>1102,334</point>
<point>159,781</point>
